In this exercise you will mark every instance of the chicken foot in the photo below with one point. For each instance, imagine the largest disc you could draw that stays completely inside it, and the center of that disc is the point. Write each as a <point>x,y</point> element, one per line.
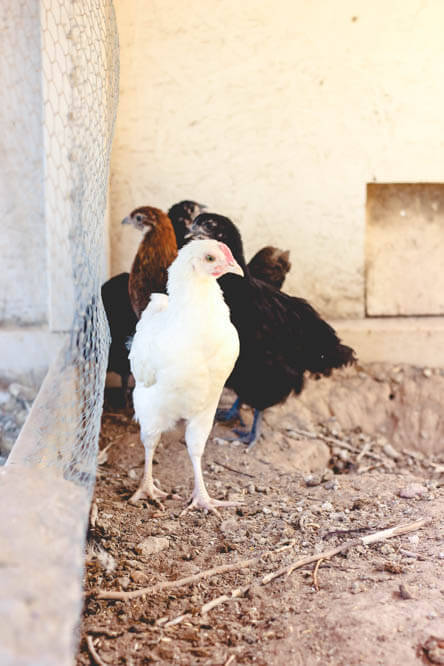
<point>231,414</point>
<point>196,436</point>
<point>147,489</point>
<point>250,437</point>
<point>200,498</point>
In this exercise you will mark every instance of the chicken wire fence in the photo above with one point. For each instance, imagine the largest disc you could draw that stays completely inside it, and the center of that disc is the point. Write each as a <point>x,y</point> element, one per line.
<point>59,73</point>
<point>70,75</point>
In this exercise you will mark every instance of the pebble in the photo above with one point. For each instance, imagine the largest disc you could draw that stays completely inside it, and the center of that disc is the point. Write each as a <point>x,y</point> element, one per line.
<point>342,454</point>
<point>124,582</point>
<point>229,525</point>
<point>251,488</point>
<point>405,592</point>
<point>412,491</point>
<point>14,409</point>
<point>133,474</point>
<point>357,587</point>
<point>21,392</point>
<point>434,649</point>
<point>427,372</point>
<point>332,485</point>
<point>7,441</point>
<point>152,545</point>
<point>220,441</point>
<point>390,452</point>
<point>327,506</point>
<point>21,417</point>
<point>266,510</point>
<point>139,577</point>
<point>313,480</point>
<point>441,556</point>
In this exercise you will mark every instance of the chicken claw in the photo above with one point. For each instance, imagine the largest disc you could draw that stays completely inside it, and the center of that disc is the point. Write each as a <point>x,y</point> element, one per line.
<point>231,414</point>
<point>199,501</point>
<point>250,437</point>
<point>149,491</point>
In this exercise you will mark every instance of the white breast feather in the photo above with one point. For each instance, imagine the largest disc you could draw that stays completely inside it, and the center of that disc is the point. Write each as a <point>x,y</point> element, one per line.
<point>185,351</point>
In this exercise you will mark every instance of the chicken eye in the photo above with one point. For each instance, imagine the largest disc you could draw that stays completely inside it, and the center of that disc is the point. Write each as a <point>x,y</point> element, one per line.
<point>210,257</point>
<point>139,217</point>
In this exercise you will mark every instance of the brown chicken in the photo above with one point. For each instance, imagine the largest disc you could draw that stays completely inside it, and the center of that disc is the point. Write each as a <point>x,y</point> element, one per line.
<point>270,265</point>
<point>156,252</point>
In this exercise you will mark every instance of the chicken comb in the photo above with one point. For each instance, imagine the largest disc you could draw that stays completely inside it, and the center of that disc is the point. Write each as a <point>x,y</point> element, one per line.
<point>227,252</point>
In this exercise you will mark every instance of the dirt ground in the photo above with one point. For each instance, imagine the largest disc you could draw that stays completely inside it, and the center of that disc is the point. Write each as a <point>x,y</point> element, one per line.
<point>340,462</point>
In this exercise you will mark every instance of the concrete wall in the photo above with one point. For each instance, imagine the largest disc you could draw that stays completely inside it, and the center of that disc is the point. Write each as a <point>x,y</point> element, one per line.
<point>278,114</point>
<point>23,286</point>
<point>58,77</point>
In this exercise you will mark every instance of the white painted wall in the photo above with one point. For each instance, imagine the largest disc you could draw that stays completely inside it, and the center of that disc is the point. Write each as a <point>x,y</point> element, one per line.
<point>278,114</point>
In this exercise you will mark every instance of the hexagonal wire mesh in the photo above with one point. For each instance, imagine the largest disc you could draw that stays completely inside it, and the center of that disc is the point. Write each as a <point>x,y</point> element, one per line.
<point>59,74</point>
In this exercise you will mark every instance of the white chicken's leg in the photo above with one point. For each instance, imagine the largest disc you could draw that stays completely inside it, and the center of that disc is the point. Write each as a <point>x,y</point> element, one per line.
<point>196,436</point>
<point>147,489</point>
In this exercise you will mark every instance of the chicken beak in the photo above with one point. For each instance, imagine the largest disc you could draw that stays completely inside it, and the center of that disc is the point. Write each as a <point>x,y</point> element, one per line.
<point>235,268</point>
<point>126,220</point>
<point>195,234</point>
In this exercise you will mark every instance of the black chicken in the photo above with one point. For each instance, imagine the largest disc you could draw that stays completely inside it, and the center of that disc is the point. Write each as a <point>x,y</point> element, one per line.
<point>182,215</point>
<point>122,323</point>
<point>280,336</point>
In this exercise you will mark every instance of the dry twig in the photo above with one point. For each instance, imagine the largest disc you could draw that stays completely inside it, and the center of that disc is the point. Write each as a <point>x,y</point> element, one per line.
<point>93,514</point>
<point>234,594</point>
<point>315,575</point>
<point>177,620</point>
<point>365,449</point>
<point>93,652</point>
<point>325,438</point>
<point>369,468</point>
<point>381,535</point>
<point>337,442</point>
<point>236,471</point>
<point>169,584</point>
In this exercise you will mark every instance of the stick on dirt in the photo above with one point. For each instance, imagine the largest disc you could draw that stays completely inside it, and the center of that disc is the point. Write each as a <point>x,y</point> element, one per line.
<point>92,650</point>
<point>236,471</point>
<point>325,438</point>
<point>243,564</point>
<point>315,575</point>
<point>381,535</point>
<point>169,584</point>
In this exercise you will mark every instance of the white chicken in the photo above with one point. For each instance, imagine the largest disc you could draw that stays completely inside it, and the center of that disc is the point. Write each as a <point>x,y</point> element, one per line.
<point>184,348</point>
